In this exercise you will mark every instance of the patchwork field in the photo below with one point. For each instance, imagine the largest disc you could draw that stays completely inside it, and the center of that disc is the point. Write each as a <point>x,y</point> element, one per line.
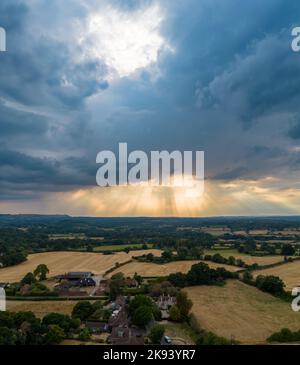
<point>289,273</point>
<point>120,247</point>
<point>40,309</point>
<point>62,262</point>
<point>149,269</point>
<point>241,311</point>
<point>264,260</point>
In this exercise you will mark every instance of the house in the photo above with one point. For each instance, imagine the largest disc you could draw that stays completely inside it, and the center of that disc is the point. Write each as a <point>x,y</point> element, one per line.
<point>25,289</point>
<point>125,336</point>
<point>96,326</point>
<point>121,332</point>
<point>103,287</point>
<point>164,302</point>
<point>75,276</point>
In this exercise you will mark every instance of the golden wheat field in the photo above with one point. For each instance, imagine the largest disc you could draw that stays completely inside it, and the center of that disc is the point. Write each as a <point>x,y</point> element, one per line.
<point>62,262</point>
<point>241,311</point>
<point>40,309</point>
<point>148,269</point>
<point>289,273</point>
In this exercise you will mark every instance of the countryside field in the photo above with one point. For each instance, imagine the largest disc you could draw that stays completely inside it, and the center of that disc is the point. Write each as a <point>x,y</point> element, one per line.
<point>248,259</point>
<point>241,311</point>
<point>120,247</point>
<point>148,269</point>
<point>289,273</point>
<point>40,309</point>
<point>62,262</point>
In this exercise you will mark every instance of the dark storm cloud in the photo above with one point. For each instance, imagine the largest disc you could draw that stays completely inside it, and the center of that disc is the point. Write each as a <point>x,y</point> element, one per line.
<point>231,88</point>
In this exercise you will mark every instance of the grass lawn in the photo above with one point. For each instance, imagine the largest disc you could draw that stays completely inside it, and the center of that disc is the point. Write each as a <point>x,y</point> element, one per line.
<point>180,333</point>
<point>260,260</point>
<point>241,311</point>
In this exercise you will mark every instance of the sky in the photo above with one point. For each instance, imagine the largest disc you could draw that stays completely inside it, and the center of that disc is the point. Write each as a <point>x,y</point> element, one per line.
<point>217,76</point>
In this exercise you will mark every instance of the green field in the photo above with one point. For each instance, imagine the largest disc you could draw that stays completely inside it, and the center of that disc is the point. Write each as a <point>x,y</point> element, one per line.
<point>225,252</point>
<point>248,259</point>
<point>120,247</point>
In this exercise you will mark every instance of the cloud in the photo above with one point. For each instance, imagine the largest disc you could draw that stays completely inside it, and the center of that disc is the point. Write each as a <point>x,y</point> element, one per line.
<point>82,76</point>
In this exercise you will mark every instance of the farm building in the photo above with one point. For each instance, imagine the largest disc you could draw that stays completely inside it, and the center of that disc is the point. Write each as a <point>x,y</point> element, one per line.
<point>75,276</point>
<point>97,327</point>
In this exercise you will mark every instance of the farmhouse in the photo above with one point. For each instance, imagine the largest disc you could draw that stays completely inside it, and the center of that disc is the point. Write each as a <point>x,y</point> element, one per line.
<point>97,327</point>
<point>75,276</point>
<point>164,302</point>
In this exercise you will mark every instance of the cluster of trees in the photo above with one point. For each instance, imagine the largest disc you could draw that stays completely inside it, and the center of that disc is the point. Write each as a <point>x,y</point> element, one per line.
<point>33,282</point>
<point>270,284</point>
<point>250,247</point>
<point>143,310</point>
<point>201,274</point>
<point>180,311</point>
<point>218,258</point>
<point>209,338</point>
<point>285,335</point>
<point>182,253</point>
<point>288,250</point>
<point>23,328</point>
<point>156,333</point>
<point>84,310</point>
<point>162,288</point>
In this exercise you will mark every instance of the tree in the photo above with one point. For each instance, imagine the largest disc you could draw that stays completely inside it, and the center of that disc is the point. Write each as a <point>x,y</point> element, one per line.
<point>156,333</point>
<point>142,316</point>
<point>141,306</point>
<point>6,319</point>
<point>139,301</point>
<point>182,252</point>
<point>118,276</point>
<point>138,278</point>
<point>115,289</point>
<point>84,335</point>
<point>284,335</point>
<point>166,255</point>
<point>247,277</point>
<point>21,317</point>
<point>178,279</point>
<point>288,250</point>
<point>209,338</point>
<point>271,284</point>
<point>150,257</point>
<point>199,274</point>
<point>175,314</point>
<point>54,335</point>
<point>83,310</point>
<point>29,279</point>
<point>41,272</point>
<point>89,248</point>
<point>7,336</point>
<point>184,304</point>
<point>61,320</point>
<point>196,252</point>
<point>231,260</point>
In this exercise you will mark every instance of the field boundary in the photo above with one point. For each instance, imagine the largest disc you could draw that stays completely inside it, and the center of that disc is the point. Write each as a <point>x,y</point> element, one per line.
<point>54,299</point>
